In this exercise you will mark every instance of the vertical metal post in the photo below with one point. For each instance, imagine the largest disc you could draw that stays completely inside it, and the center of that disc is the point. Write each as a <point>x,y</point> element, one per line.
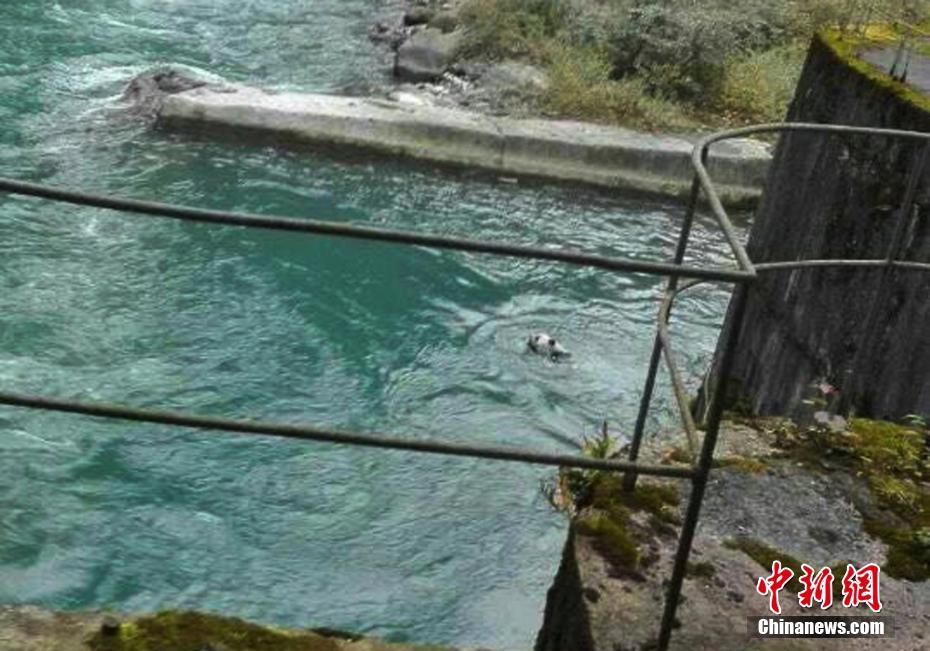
<point>702,469</point>
<point>629,480</point>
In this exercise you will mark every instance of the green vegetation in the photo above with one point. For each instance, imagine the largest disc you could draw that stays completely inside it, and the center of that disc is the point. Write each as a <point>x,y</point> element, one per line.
<point>192,630</point>
<point>743,464</point>
<point>893,460</point>
<point>764,555</point>
<point>754,465</point>
<point>701,570</point>
<point>846,45</point>
<point>620,522</point>
<point>607,515</point>
<point>195,631</point>
<point>615,540</point>
<point>667,63</point>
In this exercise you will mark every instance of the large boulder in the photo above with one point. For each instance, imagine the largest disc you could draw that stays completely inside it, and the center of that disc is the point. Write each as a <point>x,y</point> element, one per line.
<point>426,55</point>
<point>147,91</point>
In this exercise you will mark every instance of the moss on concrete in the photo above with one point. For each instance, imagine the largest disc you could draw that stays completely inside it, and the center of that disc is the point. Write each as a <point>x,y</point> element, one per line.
<point>615,539</point>
<point>182,631</point>
<point>848,44</point>
<point>764,555</point>
<point>609,518</point>
<point>751,465</point>
<point>701,570</point>
<point>658,499</point>
<point>893,460</point>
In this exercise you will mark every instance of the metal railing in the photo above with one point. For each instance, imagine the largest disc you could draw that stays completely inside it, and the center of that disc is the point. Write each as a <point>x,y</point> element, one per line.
<point>741,276</point>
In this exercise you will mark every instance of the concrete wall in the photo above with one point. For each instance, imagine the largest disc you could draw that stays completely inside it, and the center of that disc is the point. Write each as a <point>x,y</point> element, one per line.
<point>563,150</point>
<point>838,197</point>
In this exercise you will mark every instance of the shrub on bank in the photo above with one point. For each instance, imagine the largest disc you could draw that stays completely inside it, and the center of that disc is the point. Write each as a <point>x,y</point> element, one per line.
<point>668,63</point>
<point>500,29</point>
<point>581,87</point>
<point>759,86</point>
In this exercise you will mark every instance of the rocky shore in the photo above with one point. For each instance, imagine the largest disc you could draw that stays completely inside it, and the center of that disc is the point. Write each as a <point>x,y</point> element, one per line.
<point>427,40</point>
<point>451,109</point>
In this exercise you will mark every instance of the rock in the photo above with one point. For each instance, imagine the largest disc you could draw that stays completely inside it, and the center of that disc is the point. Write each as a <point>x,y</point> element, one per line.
<point>381,32</point>
<point>418,15</point>
<point>505,88</point>
<point>409,97</point>
<point>858,330</point>
<point>147,91</point>
<point>426,55</point>
<point>469,70</point>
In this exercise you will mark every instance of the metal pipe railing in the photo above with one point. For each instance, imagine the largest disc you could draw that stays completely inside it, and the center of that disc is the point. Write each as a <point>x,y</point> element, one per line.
<point>339,229</point>
<point>312,433</point>
<point>742,277</point>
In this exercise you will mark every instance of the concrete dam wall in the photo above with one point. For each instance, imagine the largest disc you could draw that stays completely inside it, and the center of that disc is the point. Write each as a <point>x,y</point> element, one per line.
<point>863,331</point>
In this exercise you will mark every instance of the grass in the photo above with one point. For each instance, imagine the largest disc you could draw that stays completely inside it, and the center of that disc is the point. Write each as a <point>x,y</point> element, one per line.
<point>759,86</point>
<point>750,465</point>
<point>701,570</point>
<point>603,510</point>
<point>510,28</point>
<point>581,87</point>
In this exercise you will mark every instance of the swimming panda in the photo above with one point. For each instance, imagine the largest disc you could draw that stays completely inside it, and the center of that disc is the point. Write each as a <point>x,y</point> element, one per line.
<point>543,344</point>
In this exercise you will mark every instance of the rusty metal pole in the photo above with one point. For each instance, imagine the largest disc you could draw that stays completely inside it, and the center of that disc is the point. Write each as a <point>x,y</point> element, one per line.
<point>702,469</point>
<point>629,480</point>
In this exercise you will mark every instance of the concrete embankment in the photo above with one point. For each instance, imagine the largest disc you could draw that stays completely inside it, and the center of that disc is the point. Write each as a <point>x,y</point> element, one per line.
<point>30,628</point>
<point>566,151</point>
<point>764,502</point>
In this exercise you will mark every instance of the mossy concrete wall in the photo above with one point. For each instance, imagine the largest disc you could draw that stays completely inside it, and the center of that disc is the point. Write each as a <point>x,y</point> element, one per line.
<point>775,494</point>
<point>839,197</point>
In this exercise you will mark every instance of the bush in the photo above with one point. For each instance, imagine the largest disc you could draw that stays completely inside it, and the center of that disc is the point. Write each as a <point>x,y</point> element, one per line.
<point>658,63</point>
<point>678,47</point>
<point>759,87</point>
<point>581,87</point>
<point>500,29</point>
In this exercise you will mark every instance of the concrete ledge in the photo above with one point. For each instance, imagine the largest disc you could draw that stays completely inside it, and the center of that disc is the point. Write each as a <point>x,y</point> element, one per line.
<point>563,150</point>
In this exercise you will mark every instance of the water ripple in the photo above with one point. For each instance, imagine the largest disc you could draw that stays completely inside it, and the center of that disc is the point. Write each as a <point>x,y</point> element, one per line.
<point>230,321</point>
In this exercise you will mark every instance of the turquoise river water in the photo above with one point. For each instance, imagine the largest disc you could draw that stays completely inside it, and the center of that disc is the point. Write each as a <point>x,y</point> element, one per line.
<point>228,321</point>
